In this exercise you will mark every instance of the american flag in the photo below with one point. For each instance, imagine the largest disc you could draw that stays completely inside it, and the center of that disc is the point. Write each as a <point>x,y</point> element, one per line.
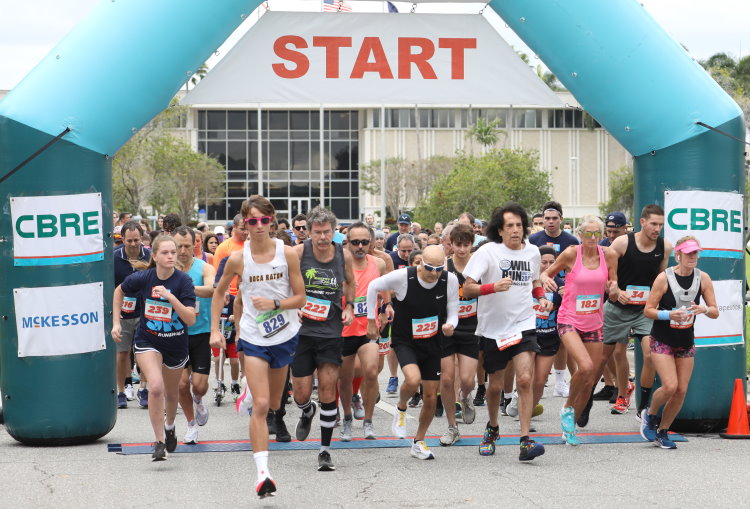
<point>336,6</point>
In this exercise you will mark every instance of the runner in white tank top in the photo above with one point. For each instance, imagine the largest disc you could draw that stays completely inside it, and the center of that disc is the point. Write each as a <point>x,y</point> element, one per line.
<point>272,290</point>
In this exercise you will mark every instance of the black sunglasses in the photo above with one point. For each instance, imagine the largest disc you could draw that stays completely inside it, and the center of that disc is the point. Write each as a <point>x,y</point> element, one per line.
<point>358,242</point>
<point>252,221</point>
<point>298,228</point>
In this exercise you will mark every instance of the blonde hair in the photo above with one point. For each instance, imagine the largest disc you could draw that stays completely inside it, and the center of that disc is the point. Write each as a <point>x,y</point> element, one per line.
<point>682,240</point>
<point>587,220</point>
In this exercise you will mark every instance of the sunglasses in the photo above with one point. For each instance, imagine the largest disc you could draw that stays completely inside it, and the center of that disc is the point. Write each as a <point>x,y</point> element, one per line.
<point>433,268</point>
<point>252,221</point>
<point>589,235</point>
<point>358,242</point>
<point>300,228</point>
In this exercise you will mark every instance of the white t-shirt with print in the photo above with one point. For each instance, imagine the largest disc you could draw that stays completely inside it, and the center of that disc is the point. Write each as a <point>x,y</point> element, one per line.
<point>504,313</point>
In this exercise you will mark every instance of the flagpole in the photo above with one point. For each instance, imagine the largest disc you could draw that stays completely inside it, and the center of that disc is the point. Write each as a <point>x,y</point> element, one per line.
<point>382,165</point>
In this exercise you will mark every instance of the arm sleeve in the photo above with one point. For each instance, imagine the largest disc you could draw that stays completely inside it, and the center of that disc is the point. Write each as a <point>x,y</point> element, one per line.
<point>452,300</point>
<point>395,281</point>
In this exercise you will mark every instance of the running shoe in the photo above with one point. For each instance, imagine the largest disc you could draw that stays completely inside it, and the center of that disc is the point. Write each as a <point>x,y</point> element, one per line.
<point>648,426</point>
<point>621,406</point>
<point>567,419</point>
<point>324,462</point>
<point>398,427</point>
<point>305,423</point>
<point>583,419</point>
<point>458,414</point>
<point>143,398</point>
<point>487,445</point>
<point>357,408</point>
<point>129,392</point>
<point>244,404</point>
<point>605,393</point>
<point>201,411</point>
<point>265,488</point>
<point>537,410</point>
<point>415,401</point>
<point>170,439</point>
<point>439,410</point>
<point>504,402</point>
<point>450,437</point>
<point>135,377</point>
<point>271,422</point>
<point>369,430</point>
<point>191,435</point>
<point>571,439</point>
<point>346,430</point>
<point>631,388</point>
<point>469,412</point>
<point>562,389</point>
<point>662,440</point>
<point>282,434</point>
<point>480,395</point>
<point>420,451</point>
<point>122,400</point>
<point>392,387</point>
<point>160,452</point>
<point>236,392</point>
<point>512,408</point>
<point>530,450</point>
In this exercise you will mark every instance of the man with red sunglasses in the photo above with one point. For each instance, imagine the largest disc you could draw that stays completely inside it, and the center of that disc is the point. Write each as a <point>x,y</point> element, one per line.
<point>426,309</point>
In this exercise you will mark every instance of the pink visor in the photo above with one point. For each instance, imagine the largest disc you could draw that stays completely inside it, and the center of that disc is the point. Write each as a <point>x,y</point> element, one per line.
<point>688,247</point>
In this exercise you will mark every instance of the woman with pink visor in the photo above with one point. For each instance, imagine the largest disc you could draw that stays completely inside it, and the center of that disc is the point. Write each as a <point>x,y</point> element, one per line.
<point>673,304</point>
<point>580,319</point>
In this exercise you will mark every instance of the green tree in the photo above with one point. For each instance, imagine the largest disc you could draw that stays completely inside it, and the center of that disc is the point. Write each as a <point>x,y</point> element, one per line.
<point>621,193</point>
<point>485,133</point>
<point>481,183</point>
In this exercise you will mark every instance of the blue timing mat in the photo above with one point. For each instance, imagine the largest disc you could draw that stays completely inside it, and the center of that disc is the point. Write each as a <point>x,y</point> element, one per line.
<point>385,442</point>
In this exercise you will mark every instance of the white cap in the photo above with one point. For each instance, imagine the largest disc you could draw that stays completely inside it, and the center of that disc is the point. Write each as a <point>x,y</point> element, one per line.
<point>219,230</point>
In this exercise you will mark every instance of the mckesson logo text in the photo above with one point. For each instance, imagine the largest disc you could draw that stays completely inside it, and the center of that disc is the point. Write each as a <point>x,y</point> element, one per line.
<point>66,320</point>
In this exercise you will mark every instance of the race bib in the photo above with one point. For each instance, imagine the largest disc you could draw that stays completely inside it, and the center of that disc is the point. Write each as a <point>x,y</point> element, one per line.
<point>682,325</point>
<point>423,328</point>
<point>467,308</point>
<point>360,306</point>
<point>158,310</point>
<point>129,304</point>
<point>271,322</point>
<point>384,345</point>
<point>316,309</point>
<point>508,341</point>
<point>588,304</point>
<point>540,313</point>
<point>637,295</point>
<point>227,328</point>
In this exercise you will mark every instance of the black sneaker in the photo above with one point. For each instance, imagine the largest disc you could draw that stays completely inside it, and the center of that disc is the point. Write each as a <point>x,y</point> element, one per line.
<point>480,395</point>
<point>583,419</point>
<point>236,391</point>
<point>170,438</point>
<point>605,393</point>
<point>160,452</point>
<point>530,450</point>
<point>266,488</point>
<point>415,401</point>
<point>324,462</point>
<point>271,422</point>
<point>282,434</point>
<point>439,407</point>
<point>304,424</point>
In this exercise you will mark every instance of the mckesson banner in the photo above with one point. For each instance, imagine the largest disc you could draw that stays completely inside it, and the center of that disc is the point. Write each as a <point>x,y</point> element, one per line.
<point>59,320</point>
<point>371,59</point>
<point>728,328</point>
<point>714,218</point>
<point>57,230</point>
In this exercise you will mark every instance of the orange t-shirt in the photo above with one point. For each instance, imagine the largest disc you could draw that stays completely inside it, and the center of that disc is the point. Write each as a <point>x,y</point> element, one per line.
<point>222,251</point>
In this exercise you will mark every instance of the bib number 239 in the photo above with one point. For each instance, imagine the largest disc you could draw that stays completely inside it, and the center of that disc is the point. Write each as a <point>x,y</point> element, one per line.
<point>158,310</point>
<point>423,328</point>
<point>316,309</point>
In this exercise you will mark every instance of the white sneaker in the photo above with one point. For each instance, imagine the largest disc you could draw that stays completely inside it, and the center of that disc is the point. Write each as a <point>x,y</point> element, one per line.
<point>512,408</point>
<point>346,431</point>
<point>244,404</point>
<point>399,424</point>
<point>201,412</point>
<point>369,431</point>
<point>420,451</point>
<point>357,407</point>
<point>129,392</point>
<point>561,390</point>
<point>191,435</point>
<point>451,436</point>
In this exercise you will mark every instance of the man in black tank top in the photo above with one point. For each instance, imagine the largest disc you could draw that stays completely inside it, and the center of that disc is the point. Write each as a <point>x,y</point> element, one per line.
<point>328,275</point>
<point>643,256</point>
<point>426,310</point>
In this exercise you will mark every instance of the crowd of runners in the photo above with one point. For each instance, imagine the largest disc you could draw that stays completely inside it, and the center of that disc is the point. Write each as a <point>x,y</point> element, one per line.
<point>473,313</point>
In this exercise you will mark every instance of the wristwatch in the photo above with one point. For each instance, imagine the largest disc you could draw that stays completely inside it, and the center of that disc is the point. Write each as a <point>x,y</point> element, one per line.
<point>276,304</point>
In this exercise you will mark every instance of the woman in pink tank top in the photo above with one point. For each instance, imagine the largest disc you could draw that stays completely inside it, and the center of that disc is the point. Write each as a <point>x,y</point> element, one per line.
<point>591,272</point>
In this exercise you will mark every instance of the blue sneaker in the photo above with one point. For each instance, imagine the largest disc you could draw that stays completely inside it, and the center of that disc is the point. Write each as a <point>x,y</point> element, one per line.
<point>392,387</point>
<point>663,441</point>
<point>122,400</point>
<point>567,419</point>
<point>143,398</point>
<point>487,445</point>
<point>648,426</point>
<point>530,450</point>
<point>571,439</point>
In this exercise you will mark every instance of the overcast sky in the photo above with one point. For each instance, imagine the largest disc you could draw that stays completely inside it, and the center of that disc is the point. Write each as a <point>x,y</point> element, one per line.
<point>29,29</point>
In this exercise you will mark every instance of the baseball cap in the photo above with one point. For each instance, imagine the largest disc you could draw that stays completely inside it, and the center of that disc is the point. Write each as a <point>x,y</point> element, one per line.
<point>404,219</point>
<point>617,220</point>
<point>219,230</point>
